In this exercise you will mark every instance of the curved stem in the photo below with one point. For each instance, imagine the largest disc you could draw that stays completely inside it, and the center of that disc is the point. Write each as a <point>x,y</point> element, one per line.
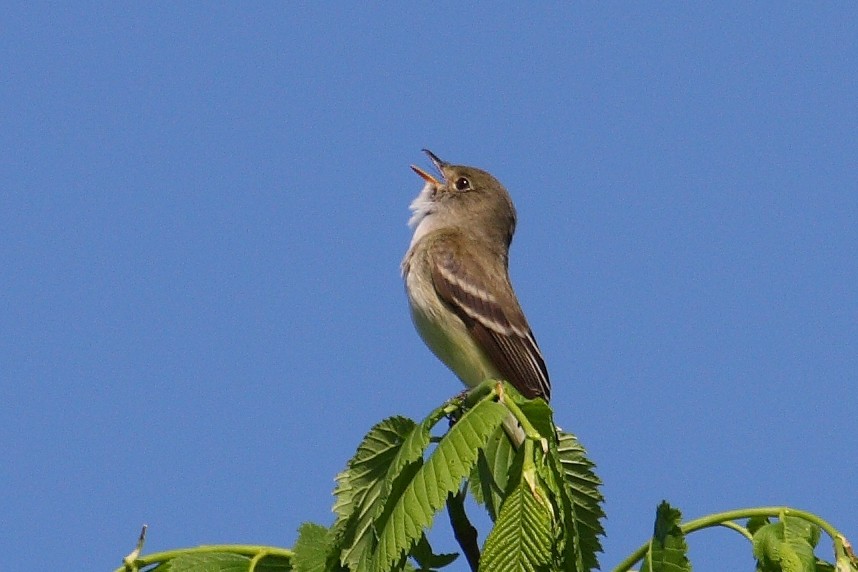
<point>632,559</point>
<point>257,559</point>
<point>463,530</point>
<point>478,393</point>
<point>778,511</point>
<point>720,518</point>
<point>522,419</point>
<point>738,528</point>
<point>242,549</point>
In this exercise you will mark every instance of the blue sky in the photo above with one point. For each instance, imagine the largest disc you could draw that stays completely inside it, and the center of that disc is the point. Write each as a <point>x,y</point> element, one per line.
<point>203,210</point>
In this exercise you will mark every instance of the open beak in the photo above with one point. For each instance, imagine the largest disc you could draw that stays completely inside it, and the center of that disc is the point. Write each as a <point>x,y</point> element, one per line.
<point>424,175</point>
<point>439,164</point>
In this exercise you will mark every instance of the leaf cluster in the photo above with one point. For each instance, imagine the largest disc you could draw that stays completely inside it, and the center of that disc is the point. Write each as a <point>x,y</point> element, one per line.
<point>785,544</point>
<point>542,496</point>
<point>534,481</point>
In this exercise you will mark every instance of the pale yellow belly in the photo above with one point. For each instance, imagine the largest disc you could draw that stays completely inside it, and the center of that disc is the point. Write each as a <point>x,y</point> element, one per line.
<point>446,336</point>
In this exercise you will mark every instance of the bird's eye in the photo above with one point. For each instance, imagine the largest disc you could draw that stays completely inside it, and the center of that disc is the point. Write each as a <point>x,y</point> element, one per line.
<point>462,184</point>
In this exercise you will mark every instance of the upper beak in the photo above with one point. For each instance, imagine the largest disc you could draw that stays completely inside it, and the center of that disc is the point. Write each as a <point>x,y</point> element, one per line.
<point>439,164</point>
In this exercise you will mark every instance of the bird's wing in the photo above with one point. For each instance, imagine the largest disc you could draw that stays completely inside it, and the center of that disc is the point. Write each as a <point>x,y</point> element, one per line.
<point>488,307</point>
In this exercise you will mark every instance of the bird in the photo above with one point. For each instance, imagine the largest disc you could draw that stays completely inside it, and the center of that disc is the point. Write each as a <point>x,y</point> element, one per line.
<point>456,275</point>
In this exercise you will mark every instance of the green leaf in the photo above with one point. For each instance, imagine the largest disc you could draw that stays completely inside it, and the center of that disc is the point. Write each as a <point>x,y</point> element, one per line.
<point>391,451</point>
<point>539,415</point>
<point>755,523</point>
<point>786,545</point>
<point>767,542</point>
<point>802,533</point>
<point>273,563</point>
<point>582,487</point>
<point>522,537</point>
<point>369,465</point>
<point>770,551</point>
<point>490,475</point>
<point>667,549</point>
<point>411,506</point>
<point>312,549</point>
<point>574,493</point>
<point>567,555</point>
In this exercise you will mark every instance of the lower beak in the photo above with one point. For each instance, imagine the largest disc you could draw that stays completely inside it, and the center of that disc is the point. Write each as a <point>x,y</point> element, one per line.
<point>424,175</point>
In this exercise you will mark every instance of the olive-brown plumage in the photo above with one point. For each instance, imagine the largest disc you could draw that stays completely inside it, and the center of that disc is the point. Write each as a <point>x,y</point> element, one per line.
<point>457,279</point>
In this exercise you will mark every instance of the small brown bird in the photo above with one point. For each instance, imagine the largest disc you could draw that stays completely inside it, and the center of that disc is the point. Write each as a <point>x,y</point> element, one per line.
<point>457,280</point>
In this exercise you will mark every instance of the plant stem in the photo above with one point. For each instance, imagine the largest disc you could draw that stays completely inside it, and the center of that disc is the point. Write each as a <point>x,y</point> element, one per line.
<point>463,530</point>
<point>738,528</point>
<point>529,429</point>
<point>721,518</point>
<point>242,549</point>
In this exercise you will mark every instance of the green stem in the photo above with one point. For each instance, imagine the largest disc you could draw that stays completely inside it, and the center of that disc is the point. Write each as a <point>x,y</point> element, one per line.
<point>242,549</point>
<point>738,528</point>
<point>480,392</point>
<point>720,518</point>
<point>529,429</point>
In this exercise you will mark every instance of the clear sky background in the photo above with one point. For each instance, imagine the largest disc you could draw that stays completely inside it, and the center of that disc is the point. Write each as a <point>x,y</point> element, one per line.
<point>203,210</point>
